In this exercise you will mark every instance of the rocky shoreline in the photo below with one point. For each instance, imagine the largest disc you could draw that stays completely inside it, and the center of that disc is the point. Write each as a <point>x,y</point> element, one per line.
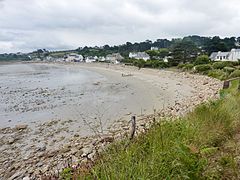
<point>42,159</point>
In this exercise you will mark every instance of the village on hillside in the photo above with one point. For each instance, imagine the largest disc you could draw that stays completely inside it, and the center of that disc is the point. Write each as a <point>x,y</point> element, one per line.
<point>116,58</point>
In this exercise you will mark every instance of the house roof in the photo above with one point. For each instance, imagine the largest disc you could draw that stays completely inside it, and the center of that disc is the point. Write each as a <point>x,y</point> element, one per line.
<point>139,54</point>
<point>235,50</point>
<point>213,55</point>
<point>223,53</point>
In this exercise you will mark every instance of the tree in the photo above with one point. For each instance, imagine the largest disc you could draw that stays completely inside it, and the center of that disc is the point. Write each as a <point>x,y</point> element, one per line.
<point>215,44</point>
<point>183,51</point>
<point>152,53</point>
<point>163,52</point>
<point>203,59</point>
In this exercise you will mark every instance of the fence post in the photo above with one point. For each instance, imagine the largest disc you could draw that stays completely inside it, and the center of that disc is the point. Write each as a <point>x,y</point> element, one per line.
<point>133,127</point>
<point>239,85</point>
<point>226,84</point>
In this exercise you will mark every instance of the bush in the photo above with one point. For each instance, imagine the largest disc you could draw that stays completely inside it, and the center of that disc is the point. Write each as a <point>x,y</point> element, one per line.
<point>66,174</point>
<point>139,63</point>
<point>236,63</point>
<point>180,66</point>
<point>221,65</point>
<point>228,69</point>
<point>235,73</point>
<point>188,67</point>
<point>128,61</point>
<point>156,64</point>
<point>204,59</point>
<point>218,74</point>
<point>203,68</point>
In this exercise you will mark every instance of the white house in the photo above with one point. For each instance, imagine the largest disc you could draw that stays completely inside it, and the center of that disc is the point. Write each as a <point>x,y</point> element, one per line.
<point>90,59</point>
<point>101,59</point>
<point>49,58</point>
<point>154,48</point>
<point>233,55</point>
<point>139,55</point>
<point>73,57</point>
<point>115,58</point>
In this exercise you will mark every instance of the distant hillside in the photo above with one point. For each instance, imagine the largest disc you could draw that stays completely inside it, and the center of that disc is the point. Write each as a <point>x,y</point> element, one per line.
<point>197,44</point>
<point>14,57</point>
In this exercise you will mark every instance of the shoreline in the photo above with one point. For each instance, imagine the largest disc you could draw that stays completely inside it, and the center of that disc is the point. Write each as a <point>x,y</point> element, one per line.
<point>84,148</point>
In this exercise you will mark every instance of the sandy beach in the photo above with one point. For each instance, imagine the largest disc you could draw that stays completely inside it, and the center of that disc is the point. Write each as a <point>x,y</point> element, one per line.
<point>51,112</point>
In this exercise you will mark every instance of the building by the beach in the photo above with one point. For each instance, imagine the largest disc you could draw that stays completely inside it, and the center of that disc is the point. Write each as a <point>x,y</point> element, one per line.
<point>73,57</point>
<point>91,59</point>
<point>139,55</point>
<point>233,55</point>
<point>115,58</point>
<point>101,59</point>
<point>154,48</point>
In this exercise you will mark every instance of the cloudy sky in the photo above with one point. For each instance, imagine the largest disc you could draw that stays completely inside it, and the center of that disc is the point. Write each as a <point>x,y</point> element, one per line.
<point>26,25</point>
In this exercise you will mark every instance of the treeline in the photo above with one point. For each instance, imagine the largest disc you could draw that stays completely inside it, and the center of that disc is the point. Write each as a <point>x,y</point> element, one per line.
<point>191,45</point>
<point>181,49</point>
<point>14,57</point>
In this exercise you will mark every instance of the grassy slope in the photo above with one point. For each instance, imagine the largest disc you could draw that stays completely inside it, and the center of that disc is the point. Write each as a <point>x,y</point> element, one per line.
<point>188,148</point>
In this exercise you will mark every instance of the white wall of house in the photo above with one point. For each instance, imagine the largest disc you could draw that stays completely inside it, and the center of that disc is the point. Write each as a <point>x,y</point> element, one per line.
<point>233,55</point>
<point>102,59</point>
<point>154,48</point>
<point>114,58</point>
<point>74,57</point>
<point>90,60</point>
<point>139,55</point>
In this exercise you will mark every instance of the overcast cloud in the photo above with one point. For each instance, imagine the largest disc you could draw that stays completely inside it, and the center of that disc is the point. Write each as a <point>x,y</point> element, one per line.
<point>26,25</point>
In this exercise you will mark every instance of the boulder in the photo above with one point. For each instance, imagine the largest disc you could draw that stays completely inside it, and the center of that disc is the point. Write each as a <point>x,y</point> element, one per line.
<point>86,151</point>
<point>11,140</point>
<point>21,127</point>
<point>26,178</point>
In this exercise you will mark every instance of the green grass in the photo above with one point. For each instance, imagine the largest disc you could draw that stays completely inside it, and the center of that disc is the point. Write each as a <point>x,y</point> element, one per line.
<point>233,87</point>
<point>179,149</point>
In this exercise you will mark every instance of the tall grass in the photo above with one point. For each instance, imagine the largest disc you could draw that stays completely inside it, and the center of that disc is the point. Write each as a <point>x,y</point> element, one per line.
<point>178,149</point>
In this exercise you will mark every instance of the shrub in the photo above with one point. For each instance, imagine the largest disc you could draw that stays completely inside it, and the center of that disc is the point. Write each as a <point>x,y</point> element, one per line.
<point>235,73</point>
<point>156,64</point>
<point>180,66</point>
<point>236,63</point>
<point>188,67</point>
<point>218,74</point>
<point>128,61</point>
<point>139,63</point>
<point>228,69</point>
<point>66,174</point>
<point>204,59</point>
<point>203,68</point>
<point>221,65</point>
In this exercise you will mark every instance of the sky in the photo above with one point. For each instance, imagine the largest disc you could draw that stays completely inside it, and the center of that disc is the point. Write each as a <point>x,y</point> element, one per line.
<point>27,25</point>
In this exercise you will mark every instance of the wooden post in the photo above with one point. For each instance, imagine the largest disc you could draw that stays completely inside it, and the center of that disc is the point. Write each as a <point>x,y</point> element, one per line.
<point>226,84</point>
<point>133,127</point>
<point>239,85</point>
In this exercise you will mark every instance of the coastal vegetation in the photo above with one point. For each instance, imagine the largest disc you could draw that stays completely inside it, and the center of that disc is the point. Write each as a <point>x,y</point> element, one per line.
<point>202,145</point>
<point>182,50</point>
<point>220,70</point>
<point>14,57</point>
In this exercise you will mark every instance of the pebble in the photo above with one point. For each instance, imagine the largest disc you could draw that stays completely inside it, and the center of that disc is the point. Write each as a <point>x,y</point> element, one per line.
<point>26,178</point>
<point>80,149</point>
